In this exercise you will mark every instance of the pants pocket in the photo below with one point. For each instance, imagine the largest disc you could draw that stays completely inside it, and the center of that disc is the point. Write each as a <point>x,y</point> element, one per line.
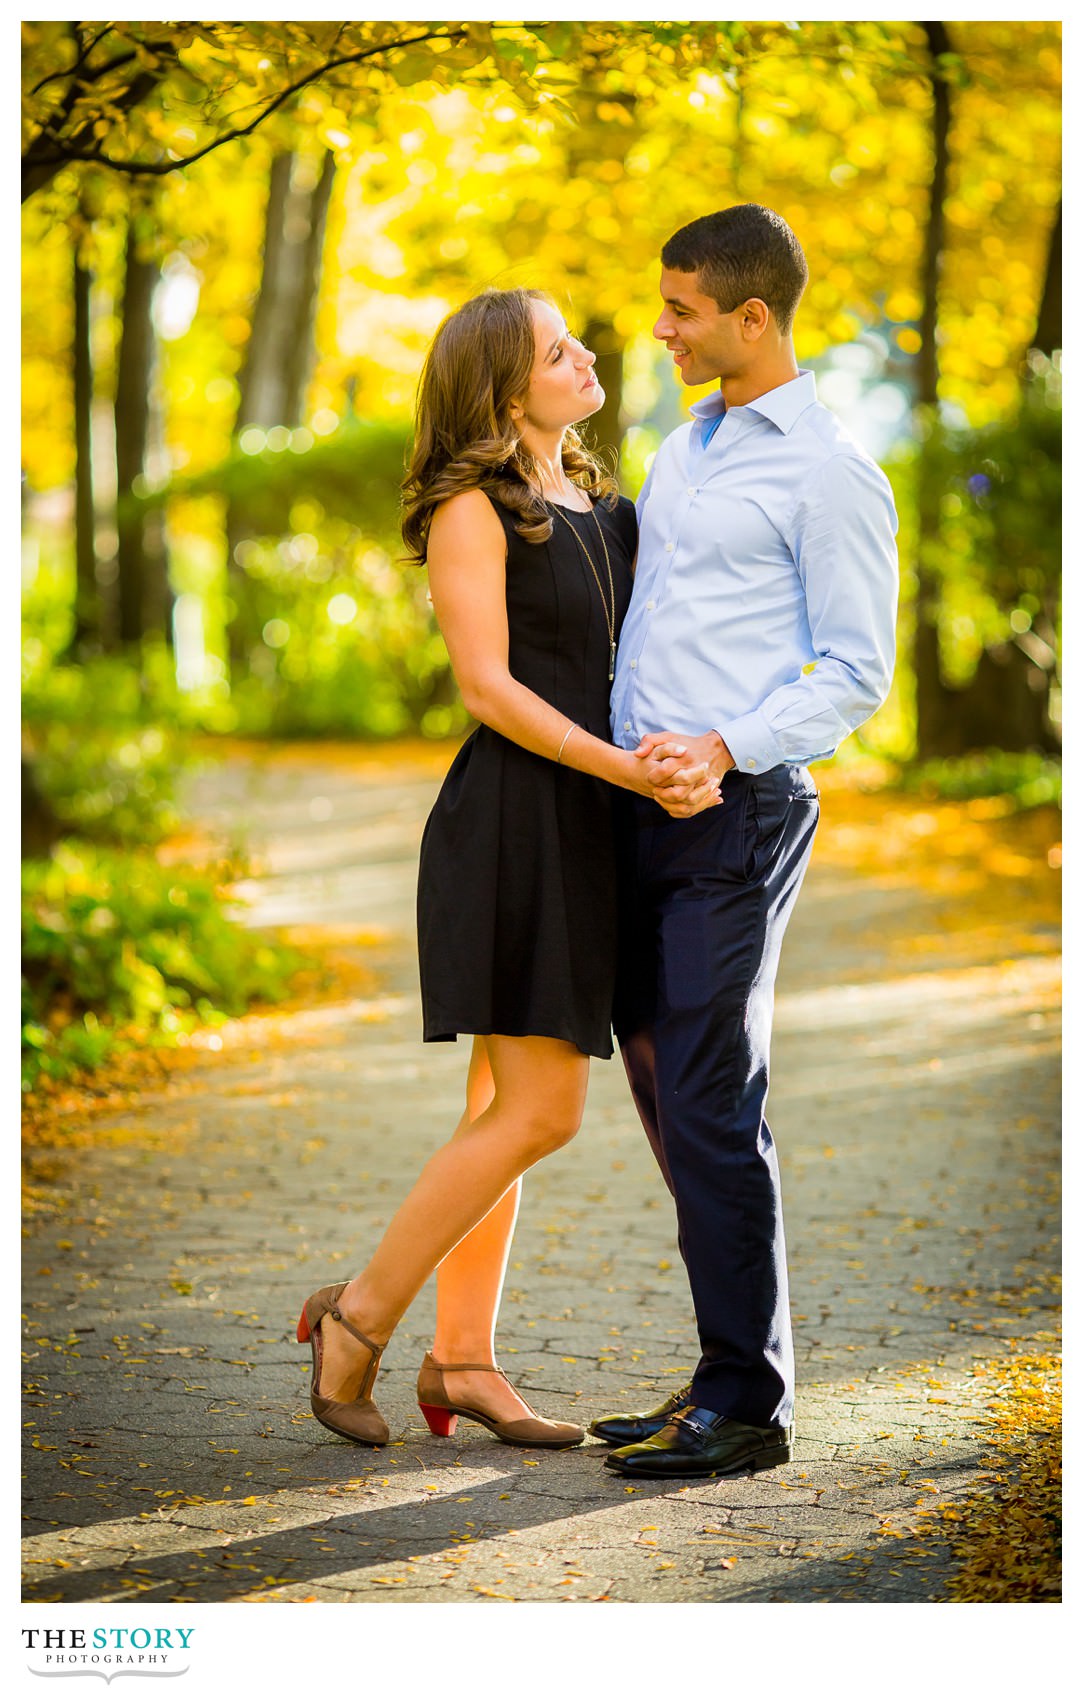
<point>736,847</point>
<point>771,807</point>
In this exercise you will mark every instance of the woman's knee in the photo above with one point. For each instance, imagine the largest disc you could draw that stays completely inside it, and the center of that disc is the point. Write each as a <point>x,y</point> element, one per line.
<point>541,1088</point>
<point>544,1129</point>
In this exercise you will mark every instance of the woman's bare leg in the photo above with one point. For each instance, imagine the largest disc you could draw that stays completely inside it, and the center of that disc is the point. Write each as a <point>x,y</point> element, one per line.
<point>539,1086</point>
<point>470,1281</point>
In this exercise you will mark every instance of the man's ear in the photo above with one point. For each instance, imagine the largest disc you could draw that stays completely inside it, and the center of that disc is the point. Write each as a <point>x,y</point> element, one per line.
<point>755,318</point>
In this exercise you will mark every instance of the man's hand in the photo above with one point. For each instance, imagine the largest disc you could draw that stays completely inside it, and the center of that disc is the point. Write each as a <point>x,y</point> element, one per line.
<point>684,773</point>
<point>670,757</point>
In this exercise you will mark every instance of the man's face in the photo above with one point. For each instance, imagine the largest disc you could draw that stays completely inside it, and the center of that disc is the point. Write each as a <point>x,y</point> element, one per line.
<point>706,343</point>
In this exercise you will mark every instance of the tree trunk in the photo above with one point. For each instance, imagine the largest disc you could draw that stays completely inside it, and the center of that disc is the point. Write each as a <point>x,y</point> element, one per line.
<point>260,382</point>
<point>301,346</point>
<point>135,362</point>
<point>40,827</point>
<point>928,365</point>
<point>1049,333</point>
<point>87,622</point>
<point>932,699</point>
<point>1005,703</point>
<point>277,361</point>
<point>1047,339</point>
<point>604,429</point>
<point>158,593</point>
<point>1003,706</point>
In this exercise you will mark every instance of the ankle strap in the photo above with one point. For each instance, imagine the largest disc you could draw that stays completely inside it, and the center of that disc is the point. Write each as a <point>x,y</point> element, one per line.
<point>337,1316</point>
<point>494,1369</point>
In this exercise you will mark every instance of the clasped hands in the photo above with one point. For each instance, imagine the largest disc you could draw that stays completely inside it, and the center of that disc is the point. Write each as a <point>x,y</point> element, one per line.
<point>683,774</point>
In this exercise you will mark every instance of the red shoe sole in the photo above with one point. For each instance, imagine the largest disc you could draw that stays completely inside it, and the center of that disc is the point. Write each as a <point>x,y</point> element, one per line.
<point>303,1330</point>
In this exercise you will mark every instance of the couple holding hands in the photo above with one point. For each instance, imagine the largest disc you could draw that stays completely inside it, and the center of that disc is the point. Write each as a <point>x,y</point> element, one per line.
<point>620,842</point>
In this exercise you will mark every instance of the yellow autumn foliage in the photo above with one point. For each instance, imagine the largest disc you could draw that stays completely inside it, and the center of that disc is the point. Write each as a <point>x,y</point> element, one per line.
<point>451,182</point>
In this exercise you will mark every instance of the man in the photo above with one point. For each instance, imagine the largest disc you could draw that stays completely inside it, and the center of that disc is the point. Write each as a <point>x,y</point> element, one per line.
<point>761,632</point>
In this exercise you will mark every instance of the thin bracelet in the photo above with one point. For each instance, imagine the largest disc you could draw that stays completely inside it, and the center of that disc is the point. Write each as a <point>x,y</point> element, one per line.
<point>572,728</point>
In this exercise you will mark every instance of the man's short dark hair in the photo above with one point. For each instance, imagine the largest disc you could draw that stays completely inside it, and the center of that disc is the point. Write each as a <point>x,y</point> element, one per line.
<point>742,252</point>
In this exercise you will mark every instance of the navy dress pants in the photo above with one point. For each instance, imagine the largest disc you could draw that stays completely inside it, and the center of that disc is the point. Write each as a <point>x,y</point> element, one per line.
<point>704,904</point>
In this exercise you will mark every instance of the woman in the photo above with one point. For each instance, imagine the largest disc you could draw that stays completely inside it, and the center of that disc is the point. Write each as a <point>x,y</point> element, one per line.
<point>529,553</point>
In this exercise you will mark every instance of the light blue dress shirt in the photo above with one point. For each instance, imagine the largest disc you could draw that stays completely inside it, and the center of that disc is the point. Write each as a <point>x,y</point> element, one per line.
<point>766,583</point>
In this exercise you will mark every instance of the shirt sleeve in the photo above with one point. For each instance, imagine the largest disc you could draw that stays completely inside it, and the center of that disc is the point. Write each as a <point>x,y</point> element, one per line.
<point>842,536</point>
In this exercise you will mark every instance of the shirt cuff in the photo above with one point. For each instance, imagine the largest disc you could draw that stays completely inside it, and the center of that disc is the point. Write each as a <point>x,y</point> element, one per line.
<point>751,743</point>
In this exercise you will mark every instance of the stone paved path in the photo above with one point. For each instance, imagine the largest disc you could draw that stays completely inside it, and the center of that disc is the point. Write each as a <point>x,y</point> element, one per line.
<point>171,1453</point>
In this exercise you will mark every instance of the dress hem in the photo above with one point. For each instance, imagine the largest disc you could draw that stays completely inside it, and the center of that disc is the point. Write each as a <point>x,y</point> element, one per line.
<point>450,1036</point>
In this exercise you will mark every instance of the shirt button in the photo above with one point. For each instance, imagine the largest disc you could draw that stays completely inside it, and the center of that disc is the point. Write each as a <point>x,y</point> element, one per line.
<point>751,763</point>
<point>627,725</point>
<point>650,604</point>
<point>691,489</point>
<point>632,665</point>
<point>669,548</point>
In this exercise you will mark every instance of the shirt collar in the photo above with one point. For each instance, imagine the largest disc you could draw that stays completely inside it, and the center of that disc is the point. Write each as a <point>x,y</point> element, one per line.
<point>783,405</point>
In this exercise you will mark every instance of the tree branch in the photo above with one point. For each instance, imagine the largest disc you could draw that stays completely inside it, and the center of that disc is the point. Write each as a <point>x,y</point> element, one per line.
<point>40,166</point>
<point>81,60</point>
<point>64,155</point>
<point>71,100</point>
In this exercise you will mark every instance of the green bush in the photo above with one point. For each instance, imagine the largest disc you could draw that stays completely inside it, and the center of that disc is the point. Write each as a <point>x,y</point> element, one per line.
<point>997,555</point>
<point>341,639</point>
<point>1027,778</point>
<point>109,785</point>
<point>354,474</point>
<point>105,767</point>
<point>103,691</point>
<point>331,628</point>
<point>114,940</point>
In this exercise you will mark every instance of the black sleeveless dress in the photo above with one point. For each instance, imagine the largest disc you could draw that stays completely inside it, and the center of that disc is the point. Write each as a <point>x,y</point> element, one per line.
<point>516,901</point>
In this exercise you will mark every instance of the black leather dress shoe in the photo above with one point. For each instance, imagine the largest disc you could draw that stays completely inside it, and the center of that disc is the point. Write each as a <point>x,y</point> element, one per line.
<point>698,1442</point>
<point>632,1426</point>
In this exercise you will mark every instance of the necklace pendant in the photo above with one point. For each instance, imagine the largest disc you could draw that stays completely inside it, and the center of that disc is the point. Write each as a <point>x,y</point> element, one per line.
<point>612,660</point>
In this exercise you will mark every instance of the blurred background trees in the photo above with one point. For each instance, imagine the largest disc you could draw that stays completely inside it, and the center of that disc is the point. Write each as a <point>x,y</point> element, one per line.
<point>239,238</point>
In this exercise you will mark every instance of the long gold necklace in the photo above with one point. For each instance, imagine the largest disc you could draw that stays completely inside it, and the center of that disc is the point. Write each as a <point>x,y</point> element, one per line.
<point>609,608</point>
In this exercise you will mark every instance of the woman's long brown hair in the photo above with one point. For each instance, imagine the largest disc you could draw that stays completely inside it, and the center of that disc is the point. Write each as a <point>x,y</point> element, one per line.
<point>465,438</point>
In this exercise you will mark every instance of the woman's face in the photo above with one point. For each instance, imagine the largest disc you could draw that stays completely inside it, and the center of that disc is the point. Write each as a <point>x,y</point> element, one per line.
<point>563,388</point>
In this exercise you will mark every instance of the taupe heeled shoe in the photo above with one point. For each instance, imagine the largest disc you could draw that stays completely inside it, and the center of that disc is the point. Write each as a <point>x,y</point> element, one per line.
<point>442,1416</point>
<point>354,1419</point>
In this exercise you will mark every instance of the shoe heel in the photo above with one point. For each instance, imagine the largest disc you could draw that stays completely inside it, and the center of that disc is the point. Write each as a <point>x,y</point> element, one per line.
<point>440,1420</point>
<point>303,1330</point>
<point>771,1459</point>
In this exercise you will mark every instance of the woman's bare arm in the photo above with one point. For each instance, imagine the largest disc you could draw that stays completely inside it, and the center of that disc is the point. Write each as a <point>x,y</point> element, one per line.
<point>466,556</point>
